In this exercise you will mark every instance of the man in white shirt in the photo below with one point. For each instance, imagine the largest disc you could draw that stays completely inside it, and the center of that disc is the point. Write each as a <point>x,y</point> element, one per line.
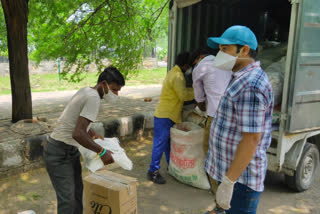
<point>61,155</point>
<point>209,84</point>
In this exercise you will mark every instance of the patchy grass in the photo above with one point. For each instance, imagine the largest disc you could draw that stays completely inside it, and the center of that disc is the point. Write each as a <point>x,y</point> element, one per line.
<point>50,82</point>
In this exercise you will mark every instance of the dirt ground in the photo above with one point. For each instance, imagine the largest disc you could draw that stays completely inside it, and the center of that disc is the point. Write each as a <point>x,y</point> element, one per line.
<point>33,191</point>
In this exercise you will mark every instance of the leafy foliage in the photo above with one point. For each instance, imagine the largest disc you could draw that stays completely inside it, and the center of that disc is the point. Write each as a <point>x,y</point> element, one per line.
<point>84,32</point>
<point>3,36</point>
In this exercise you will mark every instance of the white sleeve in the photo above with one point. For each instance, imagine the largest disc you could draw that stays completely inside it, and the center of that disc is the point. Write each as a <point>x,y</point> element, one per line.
<point>198,76</point>
<point>91,108</point>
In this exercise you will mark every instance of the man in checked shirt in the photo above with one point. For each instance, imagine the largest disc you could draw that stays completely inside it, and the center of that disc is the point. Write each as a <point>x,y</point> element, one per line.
<point>240,133</point>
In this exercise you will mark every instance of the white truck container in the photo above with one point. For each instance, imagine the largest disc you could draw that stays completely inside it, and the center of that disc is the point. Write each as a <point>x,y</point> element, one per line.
<point>295,147</point>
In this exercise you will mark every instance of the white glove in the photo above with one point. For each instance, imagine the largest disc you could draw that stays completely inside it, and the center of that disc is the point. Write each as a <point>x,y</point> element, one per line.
<point>224,193</point>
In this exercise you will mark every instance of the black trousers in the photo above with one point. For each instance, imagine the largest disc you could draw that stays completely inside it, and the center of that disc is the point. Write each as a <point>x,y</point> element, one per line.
<point>64,168</point>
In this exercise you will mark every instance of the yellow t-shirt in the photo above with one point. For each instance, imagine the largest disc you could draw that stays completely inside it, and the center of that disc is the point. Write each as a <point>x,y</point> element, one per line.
<point>173,95</point>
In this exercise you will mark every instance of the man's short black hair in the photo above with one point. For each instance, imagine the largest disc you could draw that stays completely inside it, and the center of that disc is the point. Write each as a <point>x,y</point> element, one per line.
<point>196,54</point>
<point>252,53</point>
<point>112,75</point>
<point>182,59</point>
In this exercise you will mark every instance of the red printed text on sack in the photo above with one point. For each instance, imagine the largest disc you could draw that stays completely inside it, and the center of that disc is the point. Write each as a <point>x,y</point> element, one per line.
<point>178,148</point>
<point>182,163</point>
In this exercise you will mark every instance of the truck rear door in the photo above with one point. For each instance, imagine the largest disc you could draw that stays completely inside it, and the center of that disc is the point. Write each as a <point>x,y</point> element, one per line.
<point>304,86</point>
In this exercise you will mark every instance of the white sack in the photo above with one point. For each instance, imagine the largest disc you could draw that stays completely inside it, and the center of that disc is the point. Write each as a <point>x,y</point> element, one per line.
<point>112,144</point>
<point>187,156</point>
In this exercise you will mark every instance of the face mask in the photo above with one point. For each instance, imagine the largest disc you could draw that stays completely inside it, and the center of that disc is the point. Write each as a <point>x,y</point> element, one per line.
<point>225,61</point>
<point>110,96</point>
<point>189,71</point>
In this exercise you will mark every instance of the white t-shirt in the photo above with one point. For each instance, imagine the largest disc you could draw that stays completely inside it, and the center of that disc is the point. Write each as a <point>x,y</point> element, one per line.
<point>85,103</point>
<point>209,83</point>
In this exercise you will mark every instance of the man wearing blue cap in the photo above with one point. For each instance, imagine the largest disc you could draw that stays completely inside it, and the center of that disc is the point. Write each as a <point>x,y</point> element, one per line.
<point>240,133</point>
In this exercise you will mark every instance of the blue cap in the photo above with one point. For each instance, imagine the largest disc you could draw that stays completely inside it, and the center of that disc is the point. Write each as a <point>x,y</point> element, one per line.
<point>235,35</point>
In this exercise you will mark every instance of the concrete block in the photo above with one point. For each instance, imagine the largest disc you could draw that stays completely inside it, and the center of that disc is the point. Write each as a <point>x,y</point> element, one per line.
<point>98,128</point>
<point>6,135</point>
<point>148,120</point>
<point>11,154</point>
<point>138,123</point>
<point>111,128</point>
<point>126,126</point>
<point>34,147</point>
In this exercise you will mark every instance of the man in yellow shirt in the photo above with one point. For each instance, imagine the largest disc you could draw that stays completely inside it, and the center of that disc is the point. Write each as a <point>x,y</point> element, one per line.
<point>174,93</point>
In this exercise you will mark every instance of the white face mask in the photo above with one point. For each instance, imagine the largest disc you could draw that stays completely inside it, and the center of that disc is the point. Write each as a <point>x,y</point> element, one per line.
<point>110,96</point>
<point>225,61</point>
<point>189,71</point>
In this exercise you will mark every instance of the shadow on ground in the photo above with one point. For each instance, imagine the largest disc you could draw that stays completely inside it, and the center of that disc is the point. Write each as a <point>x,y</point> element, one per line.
<point>33,191</point>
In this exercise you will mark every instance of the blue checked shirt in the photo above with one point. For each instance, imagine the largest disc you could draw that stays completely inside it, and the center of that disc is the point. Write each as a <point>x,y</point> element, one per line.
<point>246,106</point>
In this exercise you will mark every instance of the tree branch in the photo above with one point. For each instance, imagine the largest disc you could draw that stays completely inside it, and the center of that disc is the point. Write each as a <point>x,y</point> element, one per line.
<point>156,11</point>
<point>82,23</point>
<point>162,8</point>
<point>127,8</point>
<point>110,8</point>
<point>85,34</point>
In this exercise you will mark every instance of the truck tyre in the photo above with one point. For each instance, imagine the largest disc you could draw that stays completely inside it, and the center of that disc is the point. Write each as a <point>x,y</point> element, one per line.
<point>306,170</point>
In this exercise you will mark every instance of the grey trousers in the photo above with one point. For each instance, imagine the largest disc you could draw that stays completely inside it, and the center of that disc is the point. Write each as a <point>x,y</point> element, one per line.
<point>64,168</point>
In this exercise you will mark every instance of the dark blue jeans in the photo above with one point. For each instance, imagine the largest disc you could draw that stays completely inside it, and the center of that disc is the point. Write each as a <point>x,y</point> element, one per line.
<point>244,200</point>
<point>64,168</point>
<point>161,141</point>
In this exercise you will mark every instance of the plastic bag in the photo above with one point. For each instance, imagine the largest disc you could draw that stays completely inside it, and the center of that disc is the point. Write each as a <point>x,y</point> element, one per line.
<point>27,212</point>
<point>201,113</point>
<point>275,73</point>
<point>112,144</point>
<point>187,156</point>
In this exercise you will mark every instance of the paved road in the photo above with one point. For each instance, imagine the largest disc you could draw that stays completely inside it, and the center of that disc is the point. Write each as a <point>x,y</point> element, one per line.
<point>62,97</point>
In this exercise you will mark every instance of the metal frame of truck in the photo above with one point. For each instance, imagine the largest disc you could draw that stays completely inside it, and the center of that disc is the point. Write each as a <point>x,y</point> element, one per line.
<point>291,154</point>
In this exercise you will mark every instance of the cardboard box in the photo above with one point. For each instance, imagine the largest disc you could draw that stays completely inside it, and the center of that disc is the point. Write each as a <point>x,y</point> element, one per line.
<point>106,192</point>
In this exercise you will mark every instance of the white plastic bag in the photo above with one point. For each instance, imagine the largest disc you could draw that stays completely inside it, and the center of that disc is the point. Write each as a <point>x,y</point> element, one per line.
<point>187,156</point>
<point>201,113</point>
<point>27,212</point>
<point>112,144</point>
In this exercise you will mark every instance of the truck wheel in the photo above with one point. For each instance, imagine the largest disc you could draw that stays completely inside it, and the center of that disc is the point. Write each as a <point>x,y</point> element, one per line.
<point>306,170</point>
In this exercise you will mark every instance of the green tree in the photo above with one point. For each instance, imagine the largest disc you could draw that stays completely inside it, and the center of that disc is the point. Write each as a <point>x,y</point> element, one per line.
<point>159,17</point>
<point>16,19</point>
<point>84,32</point>
<point>80,32</point>
<point>3,36</point>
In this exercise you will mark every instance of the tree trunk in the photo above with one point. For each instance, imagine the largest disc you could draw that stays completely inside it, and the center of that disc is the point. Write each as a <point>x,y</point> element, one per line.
<point>16,16</point>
